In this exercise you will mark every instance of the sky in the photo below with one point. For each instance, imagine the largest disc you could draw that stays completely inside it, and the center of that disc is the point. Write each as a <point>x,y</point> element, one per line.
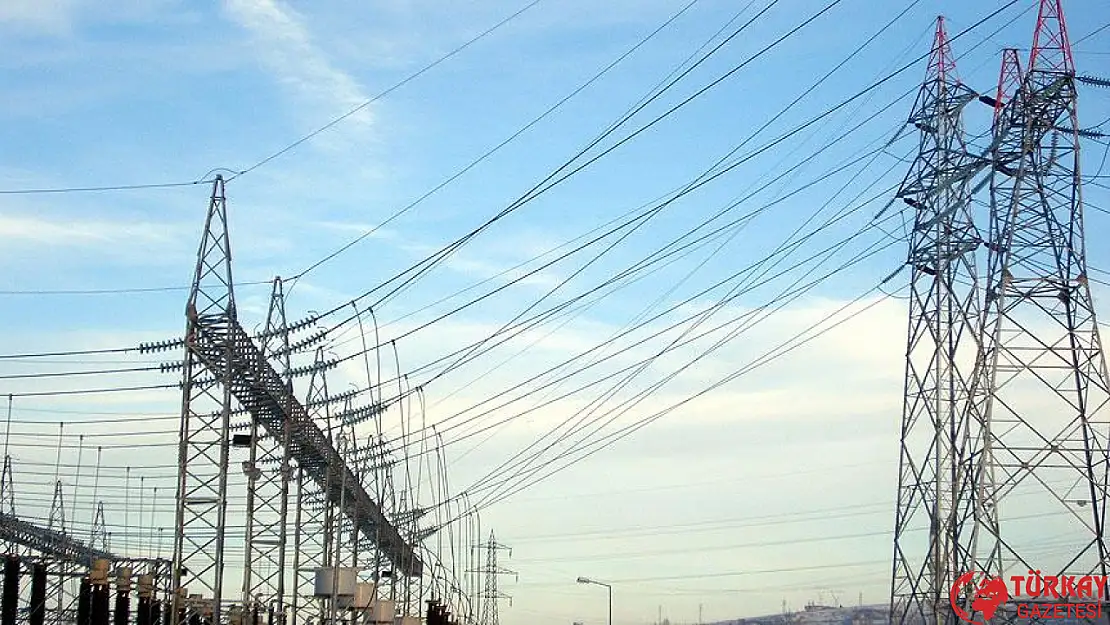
<point>774,489</point>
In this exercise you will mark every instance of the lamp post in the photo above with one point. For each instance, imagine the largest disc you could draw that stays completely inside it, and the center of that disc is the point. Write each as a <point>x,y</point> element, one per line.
<point>586,580</point>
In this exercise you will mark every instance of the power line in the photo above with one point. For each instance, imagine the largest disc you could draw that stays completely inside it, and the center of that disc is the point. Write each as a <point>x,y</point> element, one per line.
<point>298,142</point>
<point>120,291</point>
<point>474,163</point>
<point>80,352</point>
<point>122,187</point>
<point>95,391</point>
<point>425,265</point>
<point>382,94</point>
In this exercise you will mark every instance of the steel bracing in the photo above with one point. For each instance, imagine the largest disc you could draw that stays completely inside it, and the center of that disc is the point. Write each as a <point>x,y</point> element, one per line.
<point>940,352</point>
<point>269,475</point>
<point>224,369</point>
<point>1042,371</point>
<point>207,404</point>
<point>1009,471</point>
<point>490,595</point>
<point>49,542</point>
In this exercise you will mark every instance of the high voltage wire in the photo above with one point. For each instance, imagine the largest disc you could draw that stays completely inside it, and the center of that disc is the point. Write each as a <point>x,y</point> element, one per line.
<point>674,374</point>
<point>701,317</point>
<point>391,89</point>
<point>441,372</point>
<point>733,234</point>
<point>553,179</point>
<point>751,136</point>
<point>703,90</point>
<point>540,188</point>
<point>601,137</point>
<point>655,317</point>
<point>510,493</point>
<point>985,19</point>
<point>479,343</point>
<point>429,193</point>
<point>500,145</point>
<point>298,142</point>
<point>954,39</point>
<point>124,187</point>
<point>530,273</point>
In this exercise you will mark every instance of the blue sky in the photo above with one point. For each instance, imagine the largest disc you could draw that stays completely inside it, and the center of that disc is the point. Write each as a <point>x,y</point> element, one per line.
<point>167,91</point>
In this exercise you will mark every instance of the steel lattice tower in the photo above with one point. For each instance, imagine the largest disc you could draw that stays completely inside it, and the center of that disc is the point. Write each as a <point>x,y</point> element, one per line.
<point>979,509</point>
<point>1044,467</point>
<point>205,417</point>
<point>490,594</point>
<point>940,352</point>
<point>270,473</point>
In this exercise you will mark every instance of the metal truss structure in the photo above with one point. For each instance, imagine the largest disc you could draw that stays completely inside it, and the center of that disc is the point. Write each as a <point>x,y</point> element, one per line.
<point>1042,371</point>
<point>49,542</point>
<point>1021,442</point>
<point>490,595</point>
<point>207,405</point>
<point>944,312</point>
<point>225,369</point>
<point>269,477</point>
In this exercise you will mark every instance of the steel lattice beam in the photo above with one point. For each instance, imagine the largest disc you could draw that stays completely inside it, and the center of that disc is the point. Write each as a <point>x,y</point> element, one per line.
<point>261,391</point>
<point>49,542</point>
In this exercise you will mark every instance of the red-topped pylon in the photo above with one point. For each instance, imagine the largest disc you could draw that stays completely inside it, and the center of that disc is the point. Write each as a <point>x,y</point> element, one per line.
<point>943,309</point>
<point>1051,47</point>
<point>941,64</point>
<point>1009,81</point>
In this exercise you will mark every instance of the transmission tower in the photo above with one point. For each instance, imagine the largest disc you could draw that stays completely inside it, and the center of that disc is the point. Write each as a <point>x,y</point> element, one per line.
<point>7,485</point>
<point>269,474</point>
<point>940,352</point>
<point>1042,371</point>
<point>99,534</point>
<point>205,416</point>
<point>314,521</point>
<point>490,595</point>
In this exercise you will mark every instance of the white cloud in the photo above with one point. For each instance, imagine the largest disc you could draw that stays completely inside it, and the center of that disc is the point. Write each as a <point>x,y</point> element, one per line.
<point>54,17</point>
<point>78,232</point>
<point>286,48</point>
<point>815,430</point>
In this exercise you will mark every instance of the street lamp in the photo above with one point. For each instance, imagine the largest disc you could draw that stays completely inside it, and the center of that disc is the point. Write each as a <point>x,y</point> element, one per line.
<point>586,580</point>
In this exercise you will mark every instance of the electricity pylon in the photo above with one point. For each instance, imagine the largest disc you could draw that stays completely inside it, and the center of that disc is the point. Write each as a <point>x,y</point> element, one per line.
<point>490,595</point>
<point>940,351</point>
<point>269,473</point>
<point>312,535</point>
<point>1042,371</point>
<point>205,416</point>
